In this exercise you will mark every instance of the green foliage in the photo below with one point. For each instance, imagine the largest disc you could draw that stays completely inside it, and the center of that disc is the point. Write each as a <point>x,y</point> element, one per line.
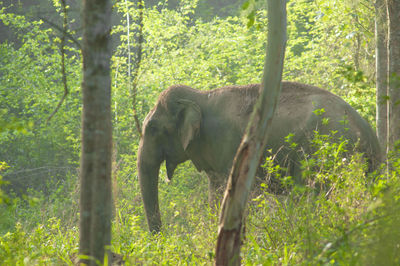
<point>31,87</point>
<point>379,231</point>
<point>46,244</point>
<point>3,197</point>
<point>335,56</point>
<point>326,161</point>
<point>344,221</point>
<point>340,216</point>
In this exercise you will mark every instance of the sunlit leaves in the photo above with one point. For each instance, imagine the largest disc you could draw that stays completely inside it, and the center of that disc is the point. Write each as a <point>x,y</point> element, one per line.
<point>31,87</point>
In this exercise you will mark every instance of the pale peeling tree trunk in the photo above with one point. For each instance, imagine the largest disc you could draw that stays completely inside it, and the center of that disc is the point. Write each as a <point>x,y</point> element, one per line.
<point>393,7</point>
<point>95,174</point>
<point>381,72</point>
<point>252,147</point>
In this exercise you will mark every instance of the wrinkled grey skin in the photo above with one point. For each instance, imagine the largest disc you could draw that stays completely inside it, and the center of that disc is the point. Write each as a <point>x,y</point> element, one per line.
<point>206,127</point>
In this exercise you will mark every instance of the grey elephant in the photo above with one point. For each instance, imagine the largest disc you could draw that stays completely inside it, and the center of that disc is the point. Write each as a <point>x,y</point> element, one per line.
<point>206,127</point>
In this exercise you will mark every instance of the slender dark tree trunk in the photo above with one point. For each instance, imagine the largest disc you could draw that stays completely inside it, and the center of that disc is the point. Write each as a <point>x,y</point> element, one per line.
<point>251,149</point>
<point>381,73</point>
<point>138,61</point>
<point>393,7</point>
<point>95,175</point>
<point>133,79</point>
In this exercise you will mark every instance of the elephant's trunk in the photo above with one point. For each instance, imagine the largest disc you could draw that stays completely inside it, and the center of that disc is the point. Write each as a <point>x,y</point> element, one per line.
<point>148,167</point>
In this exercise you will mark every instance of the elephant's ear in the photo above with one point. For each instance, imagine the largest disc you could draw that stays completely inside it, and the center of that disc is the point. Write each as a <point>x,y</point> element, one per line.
<point>189,124</point>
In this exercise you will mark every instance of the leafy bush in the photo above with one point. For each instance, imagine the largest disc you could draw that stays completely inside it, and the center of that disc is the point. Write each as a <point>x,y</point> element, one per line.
<point>337,217</point>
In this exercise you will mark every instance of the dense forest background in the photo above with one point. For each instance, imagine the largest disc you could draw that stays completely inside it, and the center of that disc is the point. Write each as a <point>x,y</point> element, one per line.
<point>204,44</point>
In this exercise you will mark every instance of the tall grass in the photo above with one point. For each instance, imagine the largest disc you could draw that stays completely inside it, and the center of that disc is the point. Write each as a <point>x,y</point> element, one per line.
<point>353,220</point>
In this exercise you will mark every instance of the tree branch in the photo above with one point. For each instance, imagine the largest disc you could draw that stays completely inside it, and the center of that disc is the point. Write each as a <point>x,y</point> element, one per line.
<point>138,61</point>
<point>62,50</point>
<point>62,30</point>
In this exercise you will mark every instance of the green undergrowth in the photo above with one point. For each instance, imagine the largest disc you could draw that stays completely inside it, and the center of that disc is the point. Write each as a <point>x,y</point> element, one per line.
<point>353,220</point>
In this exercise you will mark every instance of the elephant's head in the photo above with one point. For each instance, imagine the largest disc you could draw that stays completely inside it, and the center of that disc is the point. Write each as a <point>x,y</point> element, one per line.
<point>168,131</point>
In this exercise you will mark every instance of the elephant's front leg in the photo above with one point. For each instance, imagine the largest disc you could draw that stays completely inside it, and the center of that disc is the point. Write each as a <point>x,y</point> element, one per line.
<point>216,188</point>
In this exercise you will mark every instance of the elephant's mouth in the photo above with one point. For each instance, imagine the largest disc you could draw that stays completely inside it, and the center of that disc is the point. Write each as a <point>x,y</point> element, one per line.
<point>171,166</point>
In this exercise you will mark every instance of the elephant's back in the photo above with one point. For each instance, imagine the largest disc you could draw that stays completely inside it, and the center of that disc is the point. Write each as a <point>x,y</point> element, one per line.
<point>236,102</point>
<point>292,91</point>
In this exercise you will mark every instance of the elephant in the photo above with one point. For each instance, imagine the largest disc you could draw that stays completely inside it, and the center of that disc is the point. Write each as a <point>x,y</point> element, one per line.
<point>206,127</point>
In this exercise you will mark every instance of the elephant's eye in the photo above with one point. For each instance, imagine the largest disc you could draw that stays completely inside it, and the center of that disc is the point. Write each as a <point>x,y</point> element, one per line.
<point>155,129</point>
<point>151,128</point>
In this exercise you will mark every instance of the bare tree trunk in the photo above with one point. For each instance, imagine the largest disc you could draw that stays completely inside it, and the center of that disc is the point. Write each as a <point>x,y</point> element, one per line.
<point>252,147</point>
<point>381,72</point>
<point>138,61</point>
<point>393,7</point>
<point>133,80</point>
<point>95,204</point>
